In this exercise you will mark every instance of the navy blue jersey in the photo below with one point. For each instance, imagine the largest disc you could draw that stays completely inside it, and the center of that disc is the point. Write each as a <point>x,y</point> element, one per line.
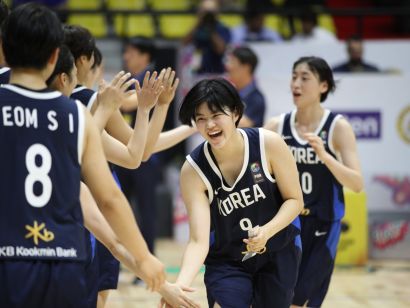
<point>41,133</point>
<point>4,75</point>
<point>253,200</point>
<point>84,95</point>
<point>322,193</point>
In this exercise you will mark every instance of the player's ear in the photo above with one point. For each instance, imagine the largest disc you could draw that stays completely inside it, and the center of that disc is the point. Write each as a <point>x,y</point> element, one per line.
<point>54,57</point>
<point>323,86</point>
<point>64,78</point>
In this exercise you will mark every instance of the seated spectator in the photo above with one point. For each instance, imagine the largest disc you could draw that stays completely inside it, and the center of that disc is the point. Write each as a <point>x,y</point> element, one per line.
<point>253,30</point>
<point>311,32</point>
<point>210,37</point>
<point>355,64</point>
<point>240,66</point>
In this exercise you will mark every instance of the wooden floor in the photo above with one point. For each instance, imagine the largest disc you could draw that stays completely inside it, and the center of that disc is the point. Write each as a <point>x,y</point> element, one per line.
<point>380,284</point>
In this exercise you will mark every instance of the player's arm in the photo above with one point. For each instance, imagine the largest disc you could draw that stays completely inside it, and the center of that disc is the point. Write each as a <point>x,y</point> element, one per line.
<point>95,222</point>
<point>282,166</point>
<point>193,192</point>
<point>172,137</point>
<point>131,154</point>
<point>115,207</point>
<point>170,84</point>
<point>347,171</point>
<point>109,98</point>
<point>116,125</point>
<point>272,124</point>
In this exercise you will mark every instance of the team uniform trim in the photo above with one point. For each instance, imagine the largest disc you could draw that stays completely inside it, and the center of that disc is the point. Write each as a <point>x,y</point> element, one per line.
<point>263,156</point>
<point>244,166</point>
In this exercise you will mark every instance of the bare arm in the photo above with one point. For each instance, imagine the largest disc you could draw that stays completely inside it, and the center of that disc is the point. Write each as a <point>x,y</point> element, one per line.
<point>347,171</point>
<point>95,222</point>
<point>172,137</point>
<point>115,207</point>
<point>282,166</point>
<point>197,204</point>
<point>147,96</point>
<point>110,97</point>
<point>157,121</point>
<point>130,155</point>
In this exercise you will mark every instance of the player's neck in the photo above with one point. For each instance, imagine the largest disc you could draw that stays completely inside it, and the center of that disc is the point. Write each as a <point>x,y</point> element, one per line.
<point>309,115</point>
<point>233,146</point>
<point>29,78</point>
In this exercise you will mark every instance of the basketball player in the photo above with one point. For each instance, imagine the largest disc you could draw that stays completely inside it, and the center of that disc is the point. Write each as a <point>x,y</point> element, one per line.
<point>243,185</point>
<point>317,137</point>
<point>51,143</point>
<point>141,140</point>
<point>64,79</point>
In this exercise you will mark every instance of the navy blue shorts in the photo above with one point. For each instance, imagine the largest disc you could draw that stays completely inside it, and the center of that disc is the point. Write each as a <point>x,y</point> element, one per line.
<point>101,270</point>
<point>319,241</point>
<point>46,284</point>
<point>108,269</point>
<point>265,280</point>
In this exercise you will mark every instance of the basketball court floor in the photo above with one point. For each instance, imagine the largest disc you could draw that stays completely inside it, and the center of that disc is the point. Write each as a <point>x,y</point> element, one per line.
<point>380,284</point>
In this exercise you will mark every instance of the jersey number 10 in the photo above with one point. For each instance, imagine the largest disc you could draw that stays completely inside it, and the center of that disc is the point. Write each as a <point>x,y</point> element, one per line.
<point>38,174</point>
<point>306,182</point>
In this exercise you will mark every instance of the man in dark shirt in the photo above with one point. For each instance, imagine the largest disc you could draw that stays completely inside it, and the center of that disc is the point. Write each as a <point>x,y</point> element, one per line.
<point>355,64</point>
<point>241,65</point>
<point>210,37</point>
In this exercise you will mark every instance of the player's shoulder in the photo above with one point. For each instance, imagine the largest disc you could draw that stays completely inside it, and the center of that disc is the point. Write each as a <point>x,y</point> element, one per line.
<point>269,136</point>
<point>191,174</point>
<point>273,123</point>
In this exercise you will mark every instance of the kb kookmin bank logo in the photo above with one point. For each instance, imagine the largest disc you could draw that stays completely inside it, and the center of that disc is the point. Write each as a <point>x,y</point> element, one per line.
<point>366,124</point>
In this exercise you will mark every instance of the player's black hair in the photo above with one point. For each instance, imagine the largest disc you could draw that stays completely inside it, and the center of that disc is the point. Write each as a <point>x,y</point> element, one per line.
<point>97,58</point>
<point>319,67</point>
<point>79,40</point>
<point>65,64</point>
<point>218,94</point>
<point>245,55</point>
<point>143,44</point>
<point>30,35</point>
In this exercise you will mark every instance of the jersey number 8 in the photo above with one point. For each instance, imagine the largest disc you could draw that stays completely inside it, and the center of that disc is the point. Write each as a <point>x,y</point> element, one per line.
<point>38,174</point>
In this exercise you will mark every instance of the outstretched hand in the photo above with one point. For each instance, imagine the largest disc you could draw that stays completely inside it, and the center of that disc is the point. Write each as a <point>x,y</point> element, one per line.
<point>174,295</point>
<point>170,85</point>
<point>151,89</point>
<point>111,95</point>
<point>151,271</point>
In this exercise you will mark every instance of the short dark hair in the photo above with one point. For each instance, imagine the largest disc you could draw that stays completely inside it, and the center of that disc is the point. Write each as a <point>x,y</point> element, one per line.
<point>30,35</point>
<point>79,40</point>
<point>309,15</point>
<point>143,44</point>
<point>65,64</point>
<point>245,55</point>
<point>354,38</point>
<point>319,67</point>
<point>97,58</point>
<point>218,94</point>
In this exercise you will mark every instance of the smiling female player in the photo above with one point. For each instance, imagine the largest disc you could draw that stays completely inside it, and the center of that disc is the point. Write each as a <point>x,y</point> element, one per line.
<point>241,184</point>
<point>317,138</point>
